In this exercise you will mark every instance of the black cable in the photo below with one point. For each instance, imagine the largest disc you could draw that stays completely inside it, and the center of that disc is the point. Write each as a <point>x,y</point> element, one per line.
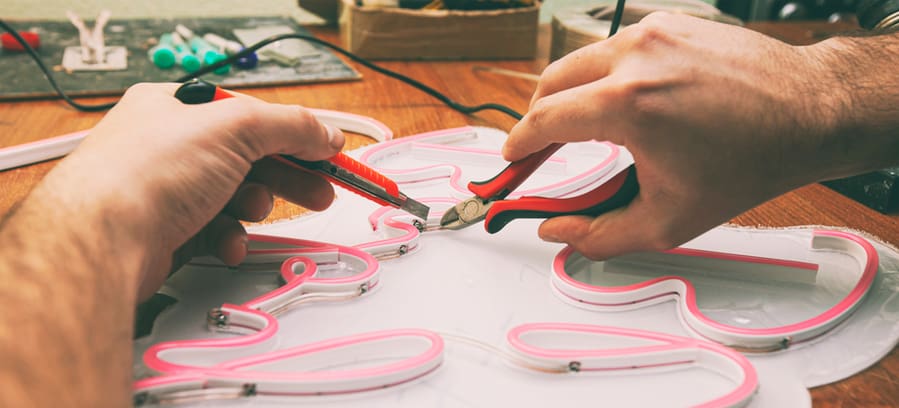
<point>49,76</point>
<point>414,83</point>
<point>466,109</point>
<point>616,18</point>
<point>207,69</point>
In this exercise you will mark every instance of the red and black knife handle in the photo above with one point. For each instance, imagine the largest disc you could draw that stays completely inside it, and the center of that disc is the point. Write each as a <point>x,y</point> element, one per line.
<point>197,91</point>
<point>615,193</point>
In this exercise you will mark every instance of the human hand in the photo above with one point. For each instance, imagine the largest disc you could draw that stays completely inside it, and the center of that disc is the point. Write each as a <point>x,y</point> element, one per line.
<point>184,175</point>
<point>717,117</point>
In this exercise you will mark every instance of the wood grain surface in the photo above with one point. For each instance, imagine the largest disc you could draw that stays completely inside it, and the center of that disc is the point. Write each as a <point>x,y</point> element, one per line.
<point>408,111</point>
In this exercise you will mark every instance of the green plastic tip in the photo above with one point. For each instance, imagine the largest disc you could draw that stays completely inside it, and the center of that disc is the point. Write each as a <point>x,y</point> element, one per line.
<point>190,63</point>
<point>213,57</point>
<point>163,57</point>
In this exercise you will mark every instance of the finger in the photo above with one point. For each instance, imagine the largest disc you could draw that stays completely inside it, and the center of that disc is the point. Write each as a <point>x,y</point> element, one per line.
<point>248,126</point>
<point>292,184</point>
<point>582,113</point>
<point>598,60</point>
<point>251,202</point>
<point>255,129</point>
<point>629,229</point>
<point>579,67</point>
<point>224,238</point>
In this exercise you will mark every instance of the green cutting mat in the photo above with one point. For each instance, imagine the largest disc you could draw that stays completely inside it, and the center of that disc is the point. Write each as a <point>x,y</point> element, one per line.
<point>20,77</point>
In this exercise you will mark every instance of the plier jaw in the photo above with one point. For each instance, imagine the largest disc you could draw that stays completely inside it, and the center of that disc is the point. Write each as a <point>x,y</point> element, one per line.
<point>466,213</point>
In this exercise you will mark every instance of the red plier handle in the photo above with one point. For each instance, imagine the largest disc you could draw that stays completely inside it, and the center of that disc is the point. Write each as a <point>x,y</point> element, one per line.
<point>615,193</point>
<point>498,187</point>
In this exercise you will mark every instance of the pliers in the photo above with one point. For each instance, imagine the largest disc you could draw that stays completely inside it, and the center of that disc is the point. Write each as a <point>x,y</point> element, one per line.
<point>488,203</point>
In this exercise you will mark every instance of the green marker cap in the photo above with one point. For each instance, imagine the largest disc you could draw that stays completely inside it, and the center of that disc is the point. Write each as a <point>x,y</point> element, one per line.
<point>190,63</point>
<point>162,56</point>
<point>212,57</point>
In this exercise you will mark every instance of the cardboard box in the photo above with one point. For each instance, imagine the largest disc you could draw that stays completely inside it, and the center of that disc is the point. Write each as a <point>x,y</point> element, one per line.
<point>397,33</point>
<point>326,9</point>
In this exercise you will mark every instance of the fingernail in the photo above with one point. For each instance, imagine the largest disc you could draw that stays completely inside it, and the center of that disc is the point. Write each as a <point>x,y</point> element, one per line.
<point>242,250</point>
<point>550,238</point>
<point>335,137</point>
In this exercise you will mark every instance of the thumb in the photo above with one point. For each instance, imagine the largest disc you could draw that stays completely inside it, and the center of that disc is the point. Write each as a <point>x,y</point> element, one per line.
<point>260,129</point>
<point>628,229</point>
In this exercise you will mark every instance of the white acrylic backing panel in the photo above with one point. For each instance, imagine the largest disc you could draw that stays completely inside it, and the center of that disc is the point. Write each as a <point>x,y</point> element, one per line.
<point>469,283</point>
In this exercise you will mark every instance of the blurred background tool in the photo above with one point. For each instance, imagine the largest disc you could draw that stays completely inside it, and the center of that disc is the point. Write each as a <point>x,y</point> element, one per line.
<point>790,10</point>
<point>163,54</point>
<point>11,44</point>
<point>575,27</point>
<point>447,4</point>
<point>285,52</point>
<point>231,48</point>
<point>183,54</point>
<point>185,33</point>
<point>485,4</point>
<point>408,4</point>
<point>507,72</point>
<point>93,54</point>
<point>208,54</point>
<point>879,14</point>
<point>20,80</point>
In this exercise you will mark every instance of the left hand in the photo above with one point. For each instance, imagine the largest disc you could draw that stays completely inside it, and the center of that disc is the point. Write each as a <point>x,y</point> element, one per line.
<point>178,178</point>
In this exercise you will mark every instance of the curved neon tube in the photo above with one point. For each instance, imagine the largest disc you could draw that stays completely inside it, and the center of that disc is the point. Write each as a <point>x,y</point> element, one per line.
<point>765,339</point>
<point>256,314</point>
<point>239,372</point>
<point>668,350</point>
<point>407,242</point>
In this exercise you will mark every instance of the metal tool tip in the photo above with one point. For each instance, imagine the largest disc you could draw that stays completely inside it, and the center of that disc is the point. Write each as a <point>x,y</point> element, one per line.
<point>416,208</point>
<point>451,216</point>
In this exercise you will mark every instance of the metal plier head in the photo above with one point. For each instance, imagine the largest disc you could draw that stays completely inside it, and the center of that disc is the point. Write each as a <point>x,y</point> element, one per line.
<point>465,214</point>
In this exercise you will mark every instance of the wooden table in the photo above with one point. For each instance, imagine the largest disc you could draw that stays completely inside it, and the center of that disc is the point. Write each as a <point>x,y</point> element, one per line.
<point>408,111</point>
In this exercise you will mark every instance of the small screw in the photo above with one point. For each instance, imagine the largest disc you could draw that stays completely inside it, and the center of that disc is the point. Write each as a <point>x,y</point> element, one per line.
<point>574,366</point>
<point>218,317</point>
<point>785,343</point>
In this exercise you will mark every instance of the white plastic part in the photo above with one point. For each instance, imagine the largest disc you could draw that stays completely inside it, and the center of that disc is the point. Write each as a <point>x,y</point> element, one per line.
<point>285,52</point>
<point>58,146</point>
<point>679,273</point>
<point>93,54</point>
<point>469,284</point>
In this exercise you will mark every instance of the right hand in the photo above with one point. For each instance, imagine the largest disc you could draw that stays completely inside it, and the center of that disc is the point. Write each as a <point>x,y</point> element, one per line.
<point>717,117</point>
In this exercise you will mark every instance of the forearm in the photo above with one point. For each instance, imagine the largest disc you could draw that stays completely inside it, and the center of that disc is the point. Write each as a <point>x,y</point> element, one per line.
<point>866,87</point>
<point>68,267</point>
<point>155,178</point>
